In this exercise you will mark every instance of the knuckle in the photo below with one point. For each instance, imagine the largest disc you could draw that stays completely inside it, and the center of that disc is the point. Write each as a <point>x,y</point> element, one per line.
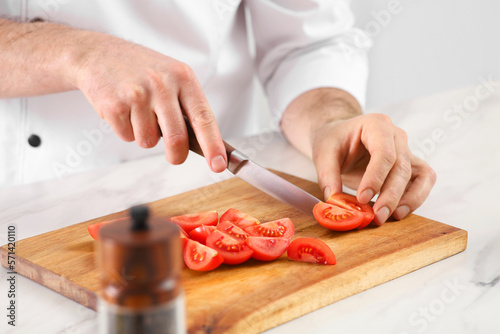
<point>202,116</point>
<point>381,118</point>
<point>115,109</point>
<point>183,72</point>
<point>136,94</point>
<point>404,167</point>
<point>176,140</point>
<point>431,174</point>
<point>403,135</point>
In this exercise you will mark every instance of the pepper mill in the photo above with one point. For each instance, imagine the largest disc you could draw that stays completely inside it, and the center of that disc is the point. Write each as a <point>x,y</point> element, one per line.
<point>140,263</point>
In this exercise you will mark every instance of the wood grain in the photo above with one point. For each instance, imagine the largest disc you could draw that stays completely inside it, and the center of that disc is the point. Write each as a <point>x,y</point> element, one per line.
<point>254,296</point>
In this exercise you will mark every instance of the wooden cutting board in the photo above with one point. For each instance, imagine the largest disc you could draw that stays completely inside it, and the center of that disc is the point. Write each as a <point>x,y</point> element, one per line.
<point>254,296</point>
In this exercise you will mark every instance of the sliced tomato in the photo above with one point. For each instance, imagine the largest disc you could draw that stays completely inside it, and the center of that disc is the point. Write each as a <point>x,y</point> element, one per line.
<point>310,250</point>
<point>94,228</point>
<point>238,218</point>
<point>233,251</point>
<point>193,220</point>
<point>336,218</point>
<point>276,228</point>
<point>232,230</point>
<point>267,248</point>
<point>201,233</point>
<point>350,202</point>
<point>184,237</point>
<point>200,257</point>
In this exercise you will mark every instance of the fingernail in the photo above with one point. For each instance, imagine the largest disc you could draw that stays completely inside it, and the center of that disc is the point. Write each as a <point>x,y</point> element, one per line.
<point>326,193</point>
<point>382,215</point>
<point>401,211</point>
<point>218,164</point>
<point>366,196</point>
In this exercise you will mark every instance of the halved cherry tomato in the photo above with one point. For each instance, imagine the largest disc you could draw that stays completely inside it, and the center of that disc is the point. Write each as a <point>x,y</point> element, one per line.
<point>267,248</point>
<point>232,230</point>
<point>193,220</point>
<point>233,251</point>
<point>238,218</point>
<point>336,218</point>
<point>201,233</point>
<point>94,228</point>
<point>350,202</point>
<point>276,228</point>
<point>200,257</point>
<point>310,250</point>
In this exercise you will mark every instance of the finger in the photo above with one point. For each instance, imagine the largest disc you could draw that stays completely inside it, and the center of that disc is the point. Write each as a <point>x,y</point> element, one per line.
<point>145,126</point>
<point>328,164</point>
<point>173,128</point>
<point>117,115</point>
<point>396,181</point>
<point>202,120</point>
<point>423,179</point>
<point>378,138</point>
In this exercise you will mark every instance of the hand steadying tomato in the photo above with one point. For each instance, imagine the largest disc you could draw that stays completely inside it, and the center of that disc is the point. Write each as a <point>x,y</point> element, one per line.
<point>193,220</point>
<point>342,212</point>
<point>310,250</point>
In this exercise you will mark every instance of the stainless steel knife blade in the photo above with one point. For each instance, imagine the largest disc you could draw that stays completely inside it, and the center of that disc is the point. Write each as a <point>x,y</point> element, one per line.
<point>241,166</point>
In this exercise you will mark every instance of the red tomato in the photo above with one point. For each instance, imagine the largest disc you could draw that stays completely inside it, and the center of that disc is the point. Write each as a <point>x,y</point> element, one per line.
<point>201,233</point>
<point>200,257</point>
<point>193,220</point>
<point>267,248</point>
<point>232,230</point>
<point>238,218</point>
<point>184,237</point>
<point>347,201</point>
<point>276,228</point>
<point>233,251</point>
<point>310,250</point>
<point>336,218</point>
<point>94,228</point>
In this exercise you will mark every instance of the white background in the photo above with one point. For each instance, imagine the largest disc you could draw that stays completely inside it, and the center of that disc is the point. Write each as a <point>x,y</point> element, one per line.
<point>430,46</point>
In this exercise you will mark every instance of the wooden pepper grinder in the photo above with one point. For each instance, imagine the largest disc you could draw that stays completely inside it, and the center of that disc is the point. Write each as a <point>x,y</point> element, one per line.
<point>140,264</point>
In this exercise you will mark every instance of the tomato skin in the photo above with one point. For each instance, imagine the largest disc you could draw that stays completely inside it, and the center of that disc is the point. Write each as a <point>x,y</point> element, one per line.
<point>191,221</point>
<point>200,257</point>
<point>201,233</point>
<point>94,228</point>
<point>350,202</point>
<point>232,230</point>
<point>281,228</point>
<point>336,218</point>
<point>184,237</point>
<point>238,218</point>
<point>267,248</point>
<point>233,251</point>
<point>310,250</point>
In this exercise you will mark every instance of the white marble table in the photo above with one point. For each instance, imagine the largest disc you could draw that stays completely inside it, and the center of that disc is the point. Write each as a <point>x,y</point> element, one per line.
<point>456,295</point>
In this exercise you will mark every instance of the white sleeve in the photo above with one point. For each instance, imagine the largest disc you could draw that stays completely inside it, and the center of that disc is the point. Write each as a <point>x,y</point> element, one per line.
<point>307,44</point>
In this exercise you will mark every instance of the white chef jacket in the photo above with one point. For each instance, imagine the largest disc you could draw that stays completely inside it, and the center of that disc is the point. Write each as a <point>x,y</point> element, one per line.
<point>294,46</point>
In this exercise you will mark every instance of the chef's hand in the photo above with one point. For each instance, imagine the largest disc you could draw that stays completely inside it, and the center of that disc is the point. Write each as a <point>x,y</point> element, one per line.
<point>139,91</point>
<point>363,152</point>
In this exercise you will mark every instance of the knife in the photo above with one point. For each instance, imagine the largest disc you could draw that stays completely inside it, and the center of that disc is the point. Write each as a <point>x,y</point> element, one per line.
<point>241,166</point>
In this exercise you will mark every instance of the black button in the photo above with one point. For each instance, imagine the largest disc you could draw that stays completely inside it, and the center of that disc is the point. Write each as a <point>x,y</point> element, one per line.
<point>34,140</point>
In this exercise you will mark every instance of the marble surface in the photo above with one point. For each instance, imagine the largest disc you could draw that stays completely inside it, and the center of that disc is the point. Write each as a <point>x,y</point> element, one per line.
<point>457,132</point>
